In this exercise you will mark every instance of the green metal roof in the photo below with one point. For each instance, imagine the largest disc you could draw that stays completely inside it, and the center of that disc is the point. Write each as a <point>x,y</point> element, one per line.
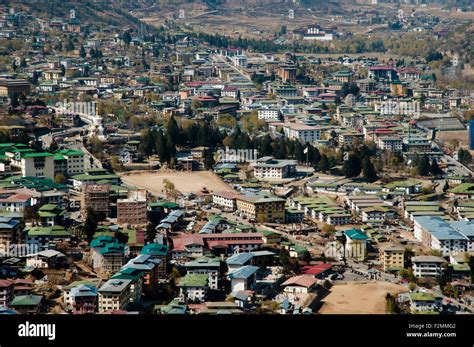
<point>193,280</point>
<point>26,300</point>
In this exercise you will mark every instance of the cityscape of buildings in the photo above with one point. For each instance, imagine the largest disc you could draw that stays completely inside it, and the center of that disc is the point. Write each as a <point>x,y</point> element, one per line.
<point>156,169</point>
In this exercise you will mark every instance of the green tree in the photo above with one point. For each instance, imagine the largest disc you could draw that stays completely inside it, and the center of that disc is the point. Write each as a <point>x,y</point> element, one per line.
<point>352,166</point>
<point>434,168</point>
<point>70,45</point>
<point>172,132</point>
<point>150,232</point>
<point>423,168</point>
<point>127,38</point>
<point>324,163</point>
<point>209,159</point>
<point>121,237</point>
<point>60,179</point>
<point>90,225</point>
<point>464,156</point>
<point>161,147</point>
<point>391,306</point>
<point>147,142</point>
<point>368,170</point>
<point>82,52</point>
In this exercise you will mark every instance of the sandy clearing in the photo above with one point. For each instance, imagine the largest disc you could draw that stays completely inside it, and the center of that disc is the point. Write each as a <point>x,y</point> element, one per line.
<point>185,182</point>
<point>460,135</point>
<point>359,298</point>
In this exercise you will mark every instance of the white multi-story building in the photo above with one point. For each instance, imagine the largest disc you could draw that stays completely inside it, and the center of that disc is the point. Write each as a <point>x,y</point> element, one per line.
<point>225,200</point>
<point>75,161</point>
<point>243,278</point>
<point>13,201</point>
<point>115,294</point>
<point>427,266</point>
<point>351,138</point>
<point>269,114</point>
<point>302,132</point>
<point>392,144</point>
<point>33,164</point>
<point>447,237</point>
<point>354,246</point>
<point>270,168</point>
<point>240,60</point>
<point>193,287</point>
<point>208,266</point>
<point>424,302</point>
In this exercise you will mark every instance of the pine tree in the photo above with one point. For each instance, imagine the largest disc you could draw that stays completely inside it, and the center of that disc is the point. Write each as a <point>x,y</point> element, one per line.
<point>352,166</point>
<point>90,225</point>
<point>434,168</point>
<point>368,170</point>
<point>209,159</point>
<point>172,132</point>
<point>423,167</point>
<point>70,45</point>
<point>324,163</point>
<point>161,146</point>
<point>298,152</point>
<point>82,52</point>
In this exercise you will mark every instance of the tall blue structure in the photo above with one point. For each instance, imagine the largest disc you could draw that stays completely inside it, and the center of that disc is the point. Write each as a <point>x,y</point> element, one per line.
<point>471,135</point>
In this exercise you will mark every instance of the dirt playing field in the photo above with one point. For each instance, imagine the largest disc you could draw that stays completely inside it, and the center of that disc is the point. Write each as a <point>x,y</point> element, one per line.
<point>185,182</point>
<point>359,298</point>
<point>461,136</point>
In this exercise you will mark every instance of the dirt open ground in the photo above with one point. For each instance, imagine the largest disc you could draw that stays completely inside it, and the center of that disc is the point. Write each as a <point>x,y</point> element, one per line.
<point>185,182</point>
<point>359,298</point>
<point>460,135</point>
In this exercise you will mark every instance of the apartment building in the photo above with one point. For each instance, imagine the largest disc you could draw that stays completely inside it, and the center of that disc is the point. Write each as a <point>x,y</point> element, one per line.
<point>188,246</point>
<point>106,254</point>
<point>349,139</point>
<point>133,210</point>
<point>115,294</point>
<point>427,266</point>
<point>262,208</point>
<point>36,164</point>
<point>96,197</point>
<point>14,201</point>
<point>81,297</point>
<point>302,132</point>
<point>447,237</point>
<point>10,87</point>
<point>391,144</point>
<point>392,257</point>
<point>271,114</point>
<point>209,266</point>
<point>9,230</point>
<point>6,293</point>
<point>271,168</point>
<point>159,252</point>
<point>193,287</point>
<point>225,200</point>
<point>425,302</point>
<point>74,161</point>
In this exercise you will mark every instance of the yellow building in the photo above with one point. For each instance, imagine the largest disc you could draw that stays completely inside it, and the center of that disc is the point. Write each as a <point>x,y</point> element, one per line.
<point>262,208</point>
<point>392,257</point>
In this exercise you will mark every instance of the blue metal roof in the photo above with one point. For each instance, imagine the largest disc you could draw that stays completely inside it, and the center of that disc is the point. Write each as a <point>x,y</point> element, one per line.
<point>243,272</point>
<point>464,227</point>
<point>443,230</point>
<point>239,259</point>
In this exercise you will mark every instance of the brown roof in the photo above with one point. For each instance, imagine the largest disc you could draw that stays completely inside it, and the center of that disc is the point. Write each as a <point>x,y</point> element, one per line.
<point>301,280</point>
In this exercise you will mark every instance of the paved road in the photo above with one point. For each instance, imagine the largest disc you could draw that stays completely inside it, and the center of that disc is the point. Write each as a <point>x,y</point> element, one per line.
<point>236,69</point>
<point>453,163</point>
<point>89,160</point>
